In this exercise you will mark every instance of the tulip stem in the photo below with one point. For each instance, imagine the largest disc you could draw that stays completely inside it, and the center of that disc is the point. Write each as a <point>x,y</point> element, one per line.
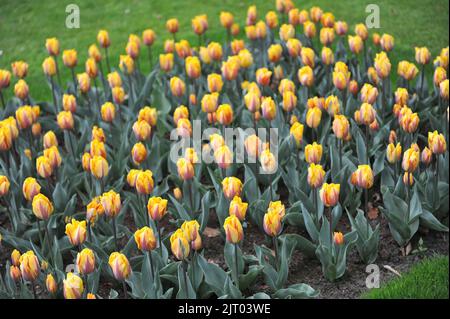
<point>40,233</point>
<point>191,200</point>
<point>89,230</point>
<point>48,237</point>
<point>74,79</point>
<point>367,144</point>
<point>2,98</point>
<point>340,153</point>
<point>86,291</point>
<point>34,290</point>
<point>275,248</point>
<point>158,228</point>
<point>54,96</point>
<point>437,170</point>
<point>115,233</point>
<point>57,72</point>
<point>344,100</point>
<point>150,57</point>
<point>331,227</point>
<point>150,260</point>
<point>316,206</point>
<point>124,287</point>
<point>130,94</point>
<point>97,95</point>
<point>271,191</point>
<point>107,60</point>
<point>366,207</point>
<point>185,268</point>
<point>422,79</point>
<point>236,264</point>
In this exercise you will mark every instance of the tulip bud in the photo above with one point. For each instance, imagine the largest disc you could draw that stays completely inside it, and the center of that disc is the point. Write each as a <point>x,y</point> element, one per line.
<point>50,284</point>
<point>73,286</point>
<point>52,46</point>
<point>263,76</point>
<point>272,223</point>
<point>316,175</point>
<point>423,55</point>
<point>142,130</point>
<point>42,207</point>
<point>382,65</point>
<point>326,36</point>
<point>394,153</point>
<point>172,25</point>
<point>76,232</point>
<point>443,89</point>
<point>306,76</point>
<point>296,131</point>
<point>223,157</point>
<point>362,177</point>
<point>14,273</point>
<point>230,68</point>
<point>4,185</point>
<point>179,245</point>
<point>365,115</point>
<point>131,177</point>
<point>232,186</point>
<point>215,82</point>
<point>138,153</point>
<point>387,42</point>
<point>437,143</point>
<point>5,78</point>
<point>252,101</point>
<point>177,193</point>
<point>329,194</point>
<point>289,101</point>
<point>269,109</point>
<point>426,156</point>
<point>85,261</point>
<point>177,86</point>
<point>44,166</point>
<point>50,139</point>
<point>238,208</point>
<point>338,238</point>
<point>253,146</point>
<point>185,169</point>
<point>53,155</point>
<point>327,56</point>
<point>157,208</point>
<point>410,160</point>
<point>29,266</point>
<point>313,153</point>
<point>111,203</point>
<point>313,117</point>
<point>144,182</point>
<point>20,69</point>
<point>166,62</point>
<point>98,166</point>
<point>309,29</point>
<point>215,51</point>
<point>209,102</point>
<point>233,229</point>
<point>440,74</point>
<point>341,27</point>
<point>145,239</point>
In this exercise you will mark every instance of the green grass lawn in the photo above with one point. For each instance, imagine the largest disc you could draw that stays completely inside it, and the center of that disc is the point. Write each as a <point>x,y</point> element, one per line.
<point>426,280</point>
<point>25,24</point>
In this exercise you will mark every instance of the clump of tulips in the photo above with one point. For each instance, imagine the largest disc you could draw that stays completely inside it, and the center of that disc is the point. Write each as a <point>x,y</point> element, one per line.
<point>92,192</point>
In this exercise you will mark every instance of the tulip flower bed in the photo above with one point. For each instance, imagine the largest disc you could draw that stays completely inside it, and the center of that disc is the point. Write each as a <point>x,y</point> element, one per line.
<point>278,166</point>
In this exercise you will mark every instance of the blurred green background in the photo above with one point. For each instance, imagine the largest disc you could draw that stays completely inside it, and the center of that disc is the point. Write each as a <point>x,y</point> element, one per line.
<point>25,24</point>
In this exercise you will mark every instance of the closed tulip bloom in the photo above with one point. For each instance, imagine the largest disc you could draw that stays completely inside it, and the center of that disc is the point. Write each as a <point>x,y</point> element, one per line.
<point>52,46</point>
<point>308,56</point>
<point>365,115</point>
<point>252,101</point>
<point>338,238</point>
<point>70,58</point>
<point>224,114</point>
<point>5,78</point>
<point>126,64</point>
<point>20,69</point>
<point>191,230</point>
<point>309,29</point>
<point>184,127</point>
<point>287,31</point>
<point>401,96</point>
<point>193,68</point>
<point>326,36</point>
<point>230,68</point>
<point>440,74</point>
<point>14,273</point>
<point>223,157</point>
<point>97,147</point>
<point>369,93</point>
<point>50,139</point>
<point>340,78</point>
<point>76,232</point>
<point>393,153</point>
<point>269,109</point>
<point>177,86</point>
<point>98,167</point>
<point>183,49</point>
<point>148,114</point>
<point>407,70</point>
<point>251,33</point>
<point>387,42</point>
<point>263,76</point>
<point>253,145</point>
<point>237,46</point>
<point>103,38</point>
<point>268,162</point>
<point>274,52</point>
<point>362,177</point>
<point>29,266</point>
<point>6,138</point>
<point>172,25</point>
<point>85,261</point>
<point>426,156</point>
<point>232,186</point>
<point>94,209</point>
<point>73,286</point>
<point>166,62</point>
<point>131,177</point>
<point>133,49</point>
<point>4,185</point>
<point>120,266</point>
<point>145,239</point>
<point>108,112</point>
<point>65,120</point>
<point>361,30</point>
<point>25,116</point>
<point>436,142</point>
<point>210,102</point>
<point>285,86</point>
<point>179,245</point>
<point>329,194</point>
<point>296,131</point>
<point>138,153</point>
<point>306,76</point>
<point>84,82</point>
<point>215,82</point>
<point>313,153</point>
<point>15,258</point>
<point>289,101</point>
<point>199,24</point>
<point>181,112</point>
<point>277,207</point>
<point>215,51</point>
<point>410,122</point>
<point>423,55</point>
<point>341,126</point>
<point>51,284</point>
<point>94,53</point>
<point>341,27</point>
<point>294,47</point>
<point>156,208</point>
<point>177,193</point>
<point>313,117</point>
<point>382,65</point>
<point>327,56</point>
<point>44,167</point>
<point>185,169</point>
<point>251,15</point>
<point>411,159</point>
<point>98,134</point>
<point>332,105</point>
<point>144,182</point>
<point>355,43</point>
<point>142,130</point>
<point>271,19</point>
<point>238,208</point>
<point>169,46</point>
<point>111,203</point>
<point>316,175</point>
<point>69,103</point>
<point>53,155</point>
<point>272,223</point>
<point>233,229</point>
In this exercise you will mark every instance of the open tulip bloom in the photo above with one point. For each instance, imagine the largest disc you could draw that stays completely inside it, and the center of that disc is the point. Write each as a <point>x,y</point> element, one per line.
<point>291,133</point>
